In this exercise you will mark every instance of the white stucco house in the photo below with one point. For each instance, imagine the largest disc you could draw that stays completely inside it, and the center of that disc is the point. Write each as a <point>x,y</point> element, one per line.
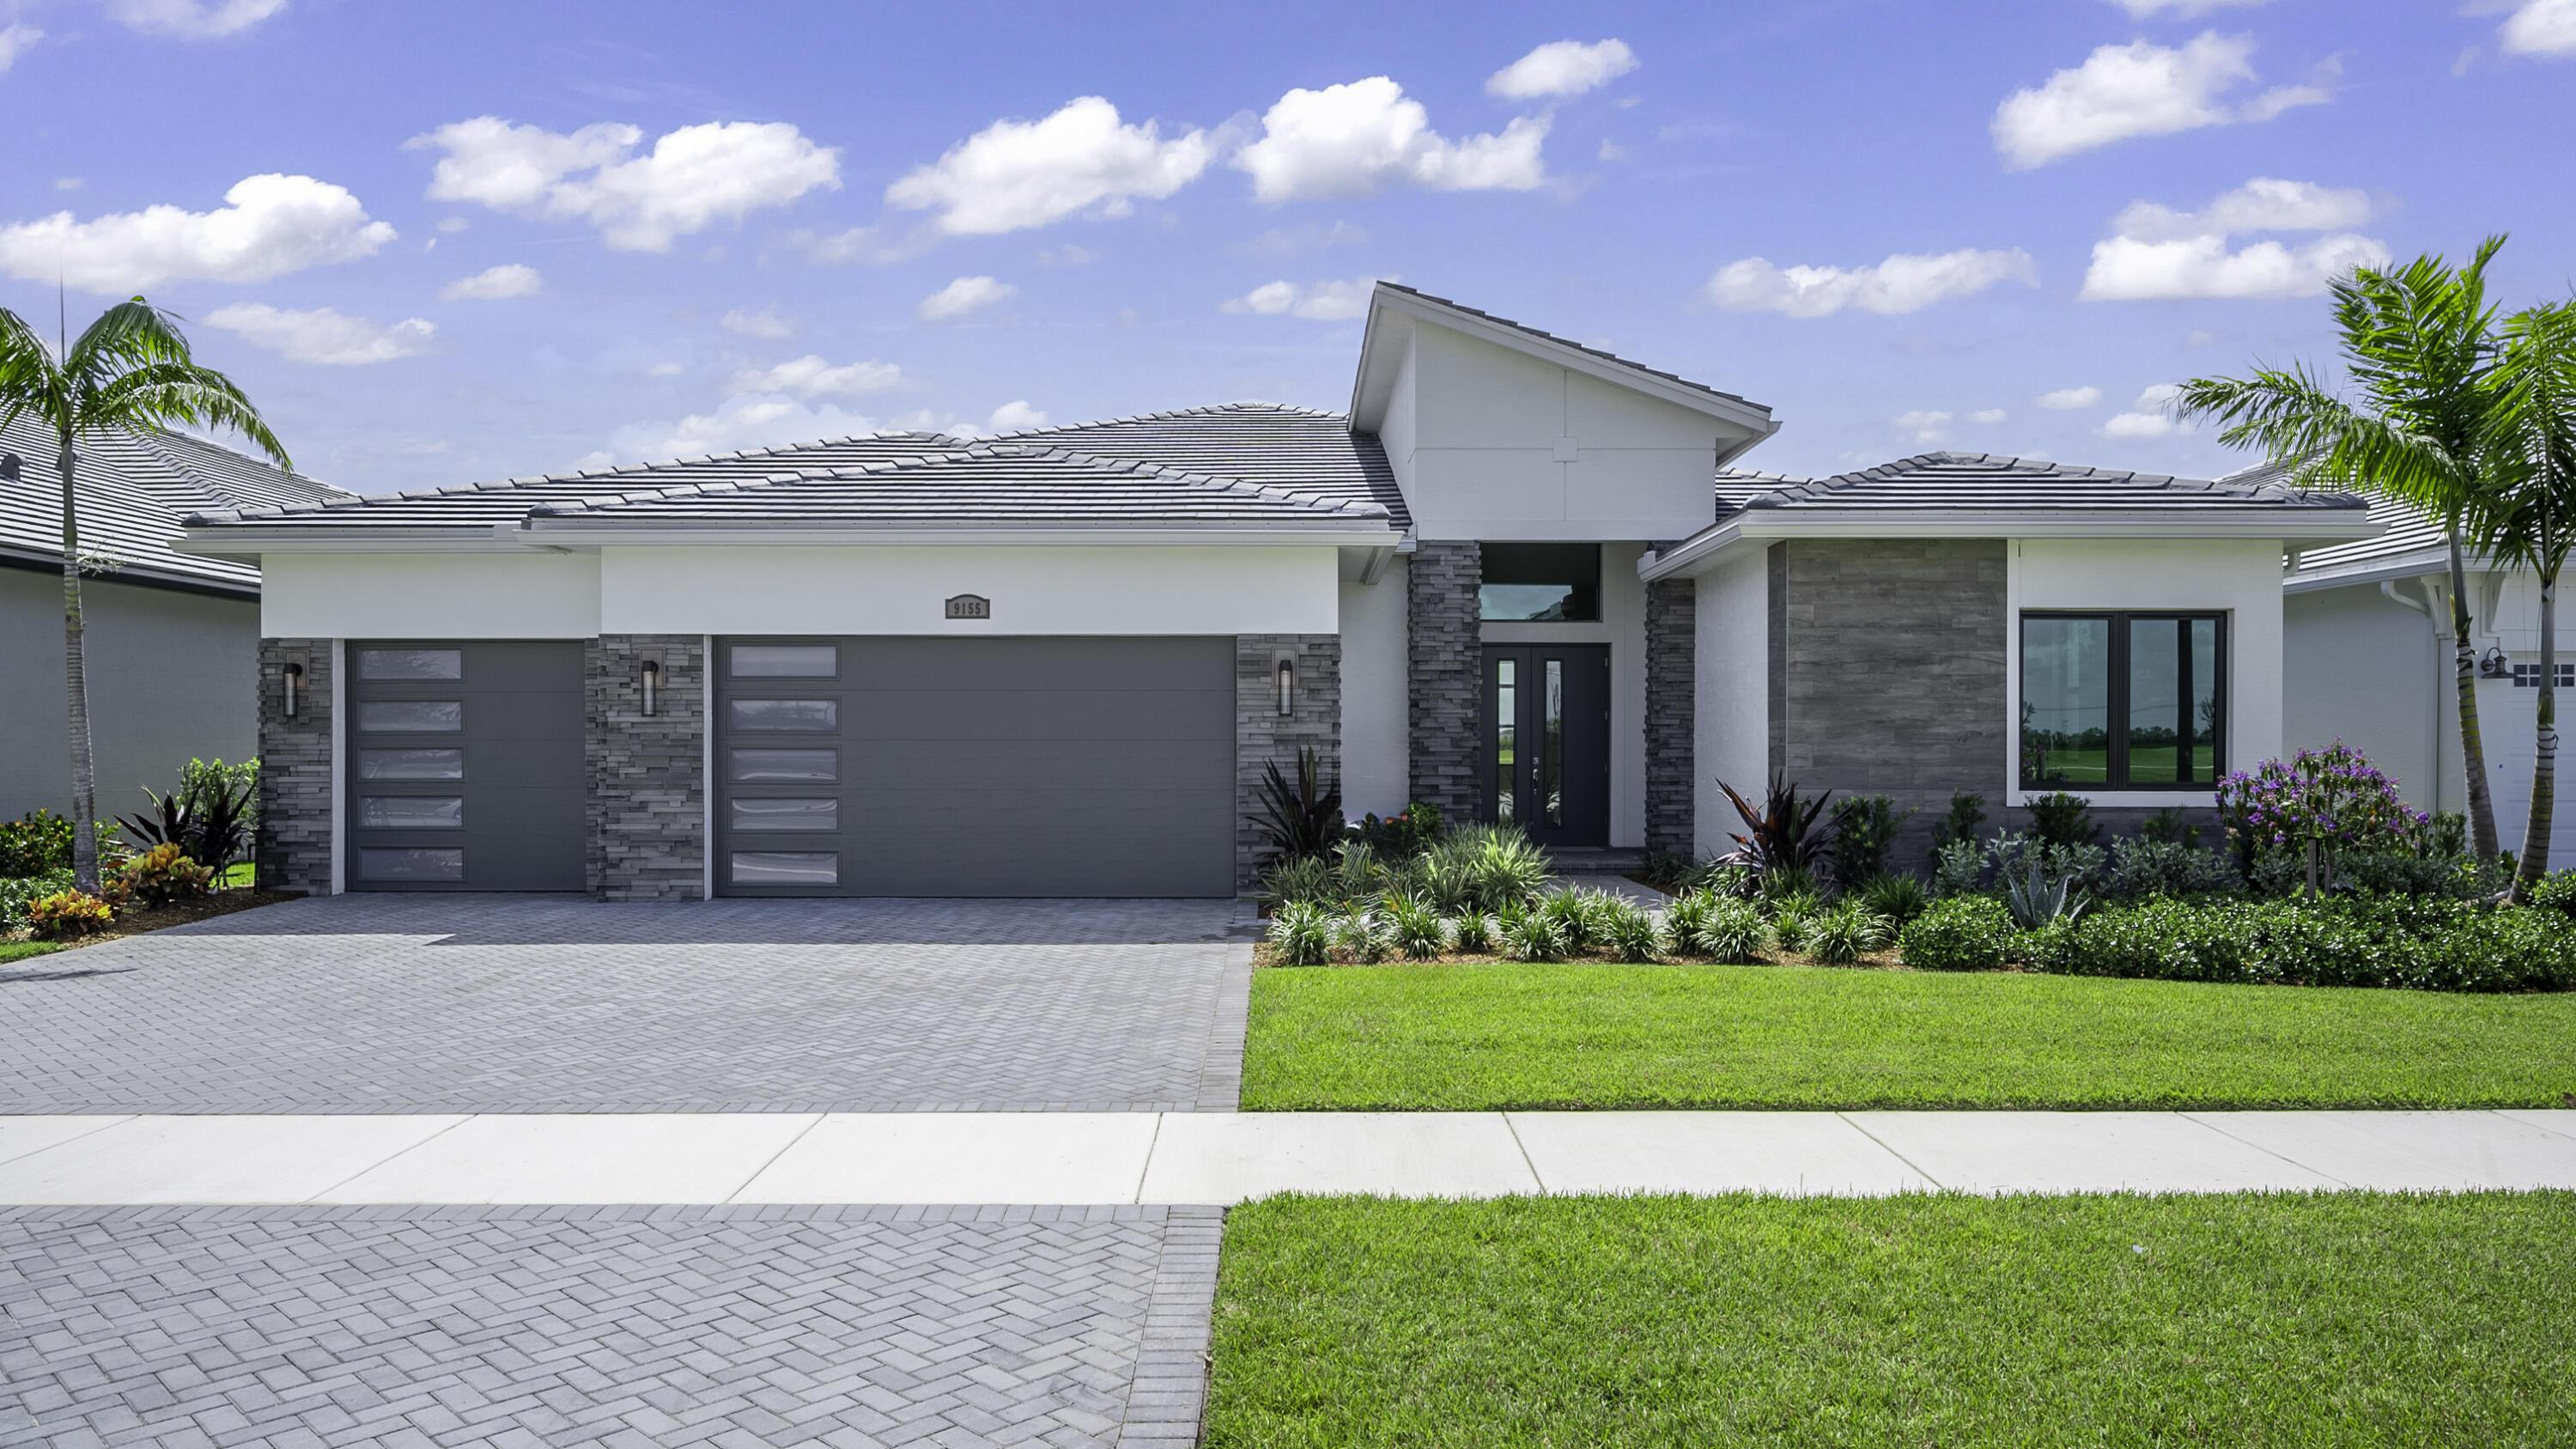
<point>1519,578</point>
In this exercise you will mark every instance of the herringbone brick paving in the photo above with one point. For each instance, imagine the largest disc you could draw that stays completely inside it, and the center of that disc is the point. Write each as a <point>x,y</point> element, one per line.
<point>450,1003</point>
<point>622,1327</point>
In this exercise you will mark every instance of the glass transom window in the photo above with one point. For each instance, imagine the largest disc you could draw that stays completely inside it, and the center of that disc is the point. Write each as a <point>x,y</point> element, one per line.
<point>2122,701</point>
<point>1540,583</point>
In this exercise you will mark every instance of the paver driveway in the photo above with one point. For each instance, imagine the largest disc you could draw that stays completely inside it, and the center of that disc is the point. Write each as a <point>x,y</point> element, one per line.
<point>525,1004</point>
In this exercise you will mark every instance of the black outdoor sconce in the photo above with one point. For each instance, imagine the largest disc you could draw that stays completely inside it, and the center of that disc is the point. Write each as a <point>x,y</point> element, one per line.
<point>2495,665</point>
<point>1287,685</point>
<point>652,687</point>
<point>293,675</point>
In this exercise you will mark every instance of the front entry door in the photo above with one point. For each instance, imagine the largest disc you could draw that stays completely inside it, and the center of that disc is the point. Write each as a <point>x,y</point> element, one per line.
<point>1547,740</point>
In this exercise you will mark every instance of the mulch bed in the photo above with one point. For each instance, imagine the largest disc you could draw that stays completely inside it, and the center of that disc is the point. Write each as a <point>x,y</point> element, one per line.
<point>179,913</point>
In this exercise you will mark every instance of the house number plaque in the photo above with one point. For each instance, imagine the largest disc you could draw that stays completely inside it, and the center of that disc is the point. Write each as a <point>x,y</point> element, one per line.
<point>970,606</point>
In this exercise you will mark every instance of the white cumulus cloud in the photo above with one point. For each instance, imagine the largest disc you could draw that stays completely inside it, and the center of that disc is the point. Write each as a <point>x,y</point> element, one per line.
<point>1016,416</point>
<point>693,178</point>
<point>2138,425</point>
<point>14,40</point>
<point>1925,426</point>
<point>1018,174</point>
<point>1987,415</point>
<point>2540,27</point>
<point>812,377</point>
<point>2070,399</point>
<point>1902,283</point>
<point>494,284</point>
<point>1314,301</point>
<point>2157,253</point>
<point>749,420</point>
<point>268,226</point>
<point>768,324</point>
<point>193,19</point>
<point>1562,68</point>
<point>2138,89</point>
<point>962,296</point>
<point>324,336</point>
<point>1360,138</point>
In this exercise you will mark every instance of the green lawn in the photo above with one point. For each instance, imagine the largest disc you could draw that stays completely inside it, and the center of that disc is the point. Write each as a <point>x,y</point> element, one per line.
<point>1450,1038</point>
<point>21,950</point>
<point>2342,1319</point>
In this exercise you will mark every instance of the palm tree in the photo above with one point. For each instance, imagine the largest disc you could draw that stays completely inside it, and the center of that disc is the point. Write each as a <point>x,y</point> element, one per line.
<point>2420,344</point>
<point>2531,518</point>
<point>130,372</point>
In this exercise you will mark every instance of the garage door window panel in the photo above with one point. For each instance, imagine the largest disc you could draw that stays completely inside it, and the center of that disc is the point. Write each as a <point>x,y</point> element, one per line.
<point>401,864</point>
<point>411,716</point>
<point>810,869</point>
<point>470,766</point>
<point>423,664</point>
<point>411,812</point>
<point>784,661</point>
<point>786,766</point>
<point>411,764</point>
<point>806,716</point>
<point>786,814</point>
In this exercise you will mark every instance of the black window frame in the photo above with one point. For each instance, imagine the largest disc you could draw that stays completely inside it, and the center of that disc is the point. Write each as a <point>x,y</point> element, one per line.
<point>2116,747</point>
<point>1575,566</point>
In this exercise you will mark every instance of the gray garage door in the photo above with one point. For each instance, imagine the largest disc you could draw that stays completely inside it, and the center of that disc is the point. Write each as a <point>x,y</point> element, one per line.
<point>975,767</point>
<point>466,770</point>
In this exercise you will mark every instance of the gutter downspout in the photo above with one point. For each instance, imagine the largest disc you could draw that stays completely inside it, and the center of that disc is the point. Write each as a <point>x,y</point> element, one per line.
<point>2441,676</point>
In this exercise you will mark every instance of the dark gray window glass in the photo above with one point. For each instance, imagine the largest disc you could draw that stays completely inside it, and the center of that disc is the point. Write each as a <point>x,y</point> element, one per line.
<point>1554,744</point>
<point>753,765</point>
<point>1540,582</point>
<point>1506,753</point>
<point>411,764</point>
<point>786,714</point>
<point>786,814</point>
<point>789,868</point>
<point>412,812</point>
<point>785,661</point>
<point>411,715</point>
<point>411,664</point>
<point>2122,701</point>
<point>411,863</point>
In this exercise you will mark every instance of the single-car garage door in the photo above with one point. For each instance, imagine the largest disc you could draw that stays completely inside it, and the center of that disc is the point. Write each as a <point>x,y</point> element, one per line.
<point>975,767</point>
<point>466,768</point>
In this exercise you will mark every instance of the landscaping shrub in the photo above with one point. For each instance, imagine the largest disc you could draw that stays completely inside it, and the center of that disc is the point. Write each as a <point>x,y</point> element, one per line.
<point>1959,825</point>
<point>2153,865</point>
<point>1864,829</point>
<point>66,914</point>
<point>2037,900</point>
<point>1301,934</point>
<point>1959,868</point>
<point>1781,837</point>
<point>1716,926</point>
<point>1503,868</point>
<point>165,873</point>
<point>1895,899</point>
<point>1418,931</point>
<point>2016,853</point>
<point>1959,933</point>
<point>2556,892</point>
<point>2431,944</point>
<point>1687,918</point>
<point>1629,932</point>
<point>1580,916</point>
<point>2313,808</point>
<point>1302,880</point>
<point>1529,934</point>
<point>1472,934</point>
<point>17,893</point>
<point>1404,835</point>
<point>1303,816</point>
<point>35,843</point>
<point>1790,917</point>
<point>2060,819</point>
<point>1844,934</point>
<point>1360,938</point>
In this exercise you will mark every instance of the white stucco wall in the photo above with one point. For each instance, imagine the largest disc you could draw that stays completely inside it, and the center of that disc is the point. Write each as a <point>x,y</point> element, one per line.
<point>1481,456</point>
<point>2240,577</point>
<point>1034,590</point>
<point>1374,691</point>
<point>430,596</point>
<point>1731,691</point>
<point>2358,667</point>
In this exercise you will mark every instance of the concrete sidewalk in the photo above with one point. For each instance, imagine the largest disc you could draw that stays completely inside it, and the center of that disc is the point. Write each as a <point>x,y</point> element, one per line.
<point>1076,1158</point>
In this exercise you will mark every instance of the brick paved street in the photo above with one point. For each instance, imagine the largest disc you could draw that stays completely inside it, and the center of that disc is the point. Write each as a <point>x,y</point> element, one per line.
<point>497,1003</point>
<point>623,1327</point>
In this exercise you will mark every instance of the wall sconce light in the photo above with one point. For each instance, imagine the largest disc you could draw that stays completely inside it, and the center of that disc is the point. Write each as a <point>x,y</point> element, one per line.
<point>652,687</point>
<point>293,674</point>
<point>1287,686</point>
<point>2495,665</point>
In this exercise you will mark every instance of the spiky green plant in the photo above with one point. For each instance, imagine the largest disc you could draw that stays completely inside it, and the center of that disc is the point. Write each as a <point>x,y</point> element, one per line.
<point>1472,933</point>
<point>1418,931</point>
<point>1844,934</point>
<point>1733,931</point>
<point>1629,931</point>
<point>1301,934</point>
<point>1360,937</point>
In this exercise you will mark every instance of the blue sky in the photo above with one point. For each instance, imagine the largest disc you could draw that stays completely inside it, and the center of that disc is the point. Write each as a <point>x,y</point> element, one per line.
<point>472,240</point>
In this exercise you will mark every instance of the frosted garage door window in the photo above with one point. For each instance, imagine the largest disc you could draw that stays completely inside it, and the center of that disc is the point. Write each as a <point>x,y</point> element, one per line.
<point>785,661</point>
<point>411,664</point>
<point>786,814</point>
<point>787,868</point>
<point>809,715</point>
<point>389,863</point>
<point>786,765</point>
<point>411,716</point>
<point>412,812</point>
<point>411,764</point>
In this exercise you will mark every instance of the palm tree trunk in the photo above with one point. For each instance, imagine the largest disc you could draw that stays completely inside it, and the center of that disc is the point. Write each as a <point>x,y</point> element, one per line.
<point>2473,748</point>
<point>76,680</point>
<point>2544,761</point>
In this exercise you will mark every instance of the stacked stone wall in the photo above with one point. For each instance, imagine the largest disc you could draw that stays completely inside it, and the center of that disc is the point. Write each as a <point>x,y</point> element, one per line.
<point>1444,662</point>
<point>1672,621</point>
<point>648,802</point>
<point>1262,735</point>
<point>293,850</point>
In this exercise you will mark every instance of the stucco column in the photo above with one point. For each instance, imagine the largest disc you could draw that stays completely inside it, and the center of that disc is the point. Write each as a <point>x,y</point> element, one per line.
<point>647,801</point>
<point>1263,735</point>
<point>1444,661</point>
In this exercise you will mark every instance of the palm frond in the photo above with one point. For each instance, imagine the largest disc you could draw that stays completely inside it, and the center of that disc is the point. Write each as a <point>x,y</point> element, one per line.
<point>30,382</point>
<point>157,393</point>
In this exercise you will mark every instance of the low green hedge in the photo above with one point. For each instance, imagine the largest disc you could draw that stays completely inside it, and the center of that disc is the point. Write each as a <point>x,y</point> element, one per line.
<point>2409,942</point>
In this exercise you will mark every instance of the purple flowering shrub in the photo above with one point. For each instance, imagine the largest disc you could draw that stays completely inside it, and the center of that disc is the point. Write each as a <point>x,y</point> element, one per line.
<point>2331,796</point>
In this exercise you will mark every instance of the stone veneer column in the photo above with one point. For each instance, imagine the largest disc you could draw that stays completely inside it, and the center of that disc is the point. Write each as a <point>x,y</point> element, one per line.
<point>647,801</point>
<point>1262,734</point>
<point>294,848</point>
<point>1671,718</point>
<point>1444,661</point>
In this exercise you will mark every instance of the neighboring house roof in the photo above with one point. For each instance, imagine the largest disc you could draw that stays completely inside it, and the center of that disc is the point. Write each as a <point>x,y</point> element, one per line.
<point>1977,481</point>
<point>131,493</point>
<point>1304,451</point>
<point>1739,486</point>
<point>2410,543</point>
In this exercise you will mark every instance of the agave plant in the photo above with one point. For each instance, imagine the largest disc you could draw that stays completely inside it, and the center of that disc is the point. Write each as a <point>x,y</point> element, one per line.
<point>1782,834</point>
<point>2036,901</point>
<point>1303,818</point>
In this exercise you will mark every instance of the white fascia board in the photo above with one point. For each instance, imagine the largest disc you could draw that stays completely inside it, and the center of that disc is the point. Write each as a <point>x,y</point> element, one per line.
<point>251,543</point>
<point>1365,406</point>
<point>559,535</point>
<point>2412,565</point>
<point>1753,526</point>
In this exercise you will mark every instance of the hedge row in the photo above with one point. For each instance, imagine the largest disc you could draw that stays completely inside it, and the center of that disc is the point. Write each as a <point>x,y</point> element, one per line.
<point>2417,944</point>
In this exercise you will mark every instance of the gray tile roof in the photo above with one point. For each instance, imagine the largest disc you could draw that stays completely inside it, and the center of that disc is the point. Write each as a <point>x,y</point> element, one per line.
<point>1973,481</point>
<point>2408,530</point>
<point>131,493</point>
<point>1303,451</point>
<point>1739,486</point>
<point>1545,336</point>
<point>997,482</point>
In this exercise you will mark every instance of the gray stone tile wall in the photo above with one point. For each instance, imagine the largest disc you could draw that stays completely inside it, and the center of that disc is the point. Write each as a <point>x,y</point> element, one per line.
<point>1672,624</point>
<point>1444,662</point>
<point>295,844</point>
<point>648,803</point>
<point>1262,734</point>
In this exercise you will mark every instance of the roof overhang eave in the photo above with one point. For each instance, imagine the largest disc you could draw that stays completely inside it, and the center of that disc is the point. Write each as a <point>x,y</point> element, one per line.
<point>600,533</point>
<point>1754,525</point>
<point>2370,571</point>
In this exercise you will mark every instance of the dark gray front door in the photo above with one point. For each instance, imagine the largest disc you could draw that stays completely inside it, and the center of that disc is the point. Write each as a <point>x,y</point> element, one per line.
<point>1547,740</point>
<point>465,766</point>
<point>975,767</point>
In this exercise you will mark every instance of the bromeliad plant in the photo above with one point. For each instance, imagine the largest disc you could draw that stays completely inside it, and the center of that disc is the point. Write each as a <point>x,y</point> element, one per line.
<point>1781,835</point>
